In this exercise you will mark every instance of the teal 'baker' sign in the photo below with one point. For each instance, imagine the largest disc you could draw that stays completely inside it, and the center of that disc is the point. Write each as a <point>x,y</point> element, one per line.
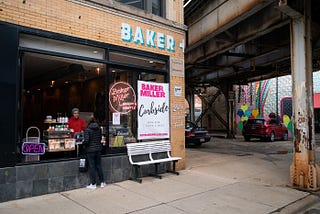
<point>149,38</point>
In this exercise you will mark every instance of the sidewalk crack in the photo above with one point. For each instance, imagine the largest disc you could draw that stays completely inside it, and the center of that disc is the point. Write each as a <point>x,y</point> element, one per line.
<point>65,196</point>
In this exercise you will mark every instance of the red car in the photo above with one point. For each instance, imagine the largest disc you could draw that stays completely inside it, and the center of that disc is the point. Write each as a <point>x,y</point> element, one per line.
<point>265,130</point>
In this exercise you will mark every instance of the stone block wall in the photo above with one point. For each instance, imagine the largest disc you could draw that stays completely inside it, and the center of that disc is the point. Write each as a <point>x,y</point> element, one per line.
<point>38,179</point>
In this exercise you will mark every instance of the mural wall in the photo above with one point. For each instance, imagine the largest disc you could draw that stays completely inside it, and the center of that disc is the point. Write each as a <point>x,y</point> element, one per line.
<point>259,99</point>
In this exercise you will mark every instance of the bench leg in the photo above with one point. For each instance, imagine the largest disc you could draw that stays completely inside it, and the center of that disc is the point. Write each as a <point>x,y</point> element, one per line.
<point>173,169</point>
<point>156,173</point>
<point>136,174</point>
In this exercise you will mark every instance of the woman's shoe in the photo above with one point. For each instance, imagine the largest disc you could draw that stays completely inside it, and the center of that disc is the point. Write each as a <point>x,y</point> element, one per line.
<point>92,186</point>
<point>103,184</point>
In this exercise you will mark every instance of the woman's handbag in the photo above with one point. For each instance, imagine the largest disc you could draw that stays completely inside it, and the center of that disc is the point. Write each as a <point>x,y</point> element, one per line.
<point>83,164</point>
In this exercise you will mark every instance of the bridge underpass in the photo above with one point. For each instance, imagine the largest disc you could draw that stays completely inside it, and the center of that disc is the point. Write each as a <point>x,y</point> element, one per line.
<point>233,43</point>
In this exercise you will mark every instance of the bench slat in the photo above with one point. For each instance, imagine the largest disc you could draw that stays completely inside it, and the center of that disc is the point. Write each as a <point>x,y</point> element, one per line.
<point>166,160</point>
<point>137,149</point>
<point>148,147</point>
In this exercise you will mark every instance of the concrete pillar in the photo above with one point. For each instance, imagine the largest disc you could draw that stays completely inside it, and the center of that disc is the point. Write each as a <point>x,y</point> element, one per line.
<point>304,171</point>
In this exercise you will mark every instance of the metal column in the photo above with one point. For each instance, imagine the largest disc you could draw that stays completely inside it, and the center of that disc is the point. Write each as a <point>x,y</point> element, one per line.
<point>191,107</point>
<point>231,113</point>
<point>304,171</point>
<point>190,99</point>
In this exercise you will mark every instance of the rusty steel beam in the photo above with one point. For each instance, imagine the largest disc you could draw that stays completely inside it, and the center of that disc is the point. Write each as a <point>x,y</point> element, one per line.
<point>209,105</point>
<point>219,16</point>
<point>304,171</point>
<point>263,59</point>
<point>260,24</point>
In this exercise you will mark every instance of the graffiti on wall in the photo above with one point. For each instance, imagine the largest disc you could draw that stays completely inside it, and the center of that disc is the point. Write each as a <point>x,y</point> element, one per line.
<point>262,91</point>
<point>262,96</point>
<point>288,123</point>
<point>256,110</point>
<point>245,111</point>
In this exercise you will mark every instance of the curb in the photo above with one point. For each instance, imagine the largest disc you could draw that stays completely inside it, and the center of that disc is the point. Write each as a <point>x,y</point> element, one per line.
<point>300,205</point>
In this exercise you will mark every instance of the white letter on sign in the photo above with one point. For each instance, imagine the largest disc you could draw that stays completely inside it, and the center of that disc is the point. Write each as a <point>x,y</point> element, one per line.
<point>150,38</point>
<point>126,32</point>
<point>171,43</point>
<point>161,41</point>
<point>138,37</point>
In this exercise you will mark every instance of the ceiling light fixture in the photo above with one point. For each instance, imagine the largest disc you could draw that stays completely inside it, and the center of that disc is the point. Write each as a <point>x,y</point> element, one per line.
<point>98,70</point>
<point>52,83</point>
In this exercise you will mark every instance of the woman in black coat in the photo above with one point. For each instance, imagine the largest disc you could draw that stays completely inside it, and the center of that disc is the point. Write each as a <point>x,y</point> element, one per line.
<point>92,142</point>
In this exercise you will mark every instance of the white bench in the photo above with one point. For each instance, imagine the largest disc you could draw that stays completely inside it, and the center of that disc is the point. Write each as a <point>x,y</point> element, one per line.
<point>146,152</point>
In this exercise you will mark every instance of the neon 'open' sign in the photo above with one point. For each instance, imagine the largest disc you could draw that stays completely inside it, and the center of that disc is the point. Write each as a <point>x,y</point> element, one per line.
<point>32,148</point>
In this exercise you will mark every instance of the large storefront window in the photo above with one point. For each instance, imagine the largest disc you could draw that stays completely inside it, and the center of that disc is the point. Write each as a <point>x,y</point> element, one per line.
<point>58,76</point>
<point>52,87</point>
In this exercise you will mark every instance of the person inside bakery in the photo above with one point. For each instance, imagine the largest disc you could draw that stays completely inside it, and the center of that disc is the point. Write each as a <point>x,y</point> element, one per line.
<point>75,123</point>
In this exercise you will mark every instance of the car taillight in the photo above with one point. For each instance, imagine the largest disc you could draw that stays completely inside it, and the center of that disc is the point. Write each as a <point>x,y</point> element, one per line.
<point>189,134</point>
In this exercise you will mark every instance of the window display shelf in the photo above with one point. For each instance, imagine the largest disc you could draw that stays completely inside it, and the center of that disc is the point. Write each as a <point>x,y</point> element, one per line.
<point>59,141</point>
<point>60,150</point>
<point>54,121</point>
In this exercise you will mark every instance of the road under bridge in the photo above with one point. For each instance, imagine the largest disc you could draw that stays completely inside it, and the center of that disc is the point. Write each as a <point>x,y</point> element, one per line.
<point>237,42</point>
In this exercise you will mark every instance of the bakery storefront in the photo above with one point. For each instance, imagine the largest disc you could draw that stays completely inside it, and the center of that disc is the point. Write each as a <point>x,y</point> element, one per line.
<point>127,81</point>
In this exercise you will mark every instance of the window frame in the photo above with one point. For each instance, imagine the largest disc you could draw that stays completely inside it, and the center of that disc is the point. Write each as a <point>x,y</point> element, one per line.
<point>106,61</point>
<point>147,6</point>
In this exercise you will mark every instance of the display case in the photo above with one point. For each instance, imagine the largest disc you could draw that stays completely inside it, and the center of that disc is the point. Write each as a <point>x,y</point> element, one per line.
<point>58,136</point>
<point>59,140</point>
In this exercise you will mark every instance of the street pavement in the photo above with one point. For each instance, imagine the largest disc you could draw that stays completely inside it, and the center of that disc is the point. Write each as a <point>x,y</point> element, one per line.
<point>222,176</point>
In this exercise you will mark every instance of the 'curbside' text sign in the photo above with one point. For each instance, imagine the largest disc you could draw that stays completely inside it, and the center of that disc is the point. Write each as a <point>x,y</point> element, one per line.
<point>153,110</point>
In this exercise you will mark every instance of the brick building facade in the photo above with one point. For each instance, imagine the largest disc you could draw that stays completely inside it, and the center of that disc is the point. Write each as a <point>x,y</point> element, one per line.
<point>62,54</point>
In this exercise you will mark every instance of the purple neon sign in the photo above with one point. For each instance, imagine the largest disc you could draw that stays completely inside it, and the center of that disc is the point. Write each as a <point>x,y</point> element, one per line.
<point>31,148</point>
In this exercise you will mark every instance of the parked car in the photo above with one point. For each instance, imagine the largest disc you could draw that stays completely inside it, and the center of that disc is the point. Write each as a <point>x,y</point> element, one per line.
<point>265,130</point>
<point>195,135</point>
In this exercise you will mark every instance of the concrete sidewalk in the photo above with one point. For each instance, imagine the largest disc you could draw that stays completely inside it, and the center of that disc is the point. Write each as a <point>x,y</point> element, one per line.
<point>211,183</point>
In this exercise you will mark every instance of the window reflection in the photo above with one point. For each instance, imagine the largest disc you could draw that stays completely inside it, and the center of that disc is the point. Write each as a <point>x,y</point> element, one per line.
<point>151,6</point>
<point>137,60</point>
<point>156,7</point>
<point>134,3</point>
